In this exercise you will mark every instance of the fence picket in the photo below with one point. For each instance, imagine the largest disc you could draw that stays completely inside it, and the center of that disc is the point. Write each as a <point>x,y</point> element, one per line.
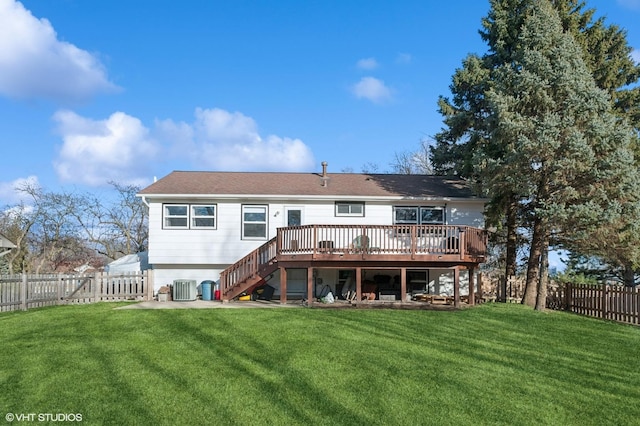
<point>22,292</point>
<point>615,303</point>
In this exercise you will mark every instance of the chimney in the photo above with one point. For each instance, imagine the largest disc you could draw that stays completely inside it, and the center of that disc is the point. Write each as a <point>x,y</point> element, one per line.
<point>324,178</point>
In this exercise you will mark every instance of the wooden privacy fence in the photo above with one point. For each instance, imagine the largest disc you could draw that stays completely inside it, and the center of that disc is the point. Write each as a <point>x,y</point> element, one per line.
<point>22,292</point>
<point>616,303</point>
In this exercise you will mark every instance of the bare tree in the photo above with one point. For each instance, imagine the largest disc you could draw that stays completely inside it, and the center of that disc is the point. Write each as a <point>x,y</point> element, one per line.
<point>413,162</point>
<point>15,223</point>
<point>114,227</point>
<point>57,231</point>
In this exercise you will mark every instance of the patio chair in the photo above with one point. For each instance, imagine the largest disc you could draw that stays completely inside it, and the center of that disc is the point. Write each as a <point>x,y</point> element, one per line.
<point>360,244</point>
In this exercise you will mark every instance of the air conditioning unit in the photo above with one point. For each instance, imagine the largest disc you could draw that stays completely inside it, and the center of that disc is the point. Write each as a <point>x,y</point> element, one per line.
<point>185,290</point>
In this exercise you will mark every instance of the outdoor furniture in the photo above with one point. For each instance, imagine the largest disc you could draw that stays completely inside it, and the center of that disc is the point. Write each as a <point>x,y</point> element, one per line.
<point>361,244</point>
<point>325,246</point>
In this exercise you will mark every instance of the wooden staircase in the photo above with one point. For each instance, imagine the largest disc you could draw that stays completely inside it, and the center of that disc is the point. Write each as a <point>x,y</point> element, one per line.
<point>249,272</point>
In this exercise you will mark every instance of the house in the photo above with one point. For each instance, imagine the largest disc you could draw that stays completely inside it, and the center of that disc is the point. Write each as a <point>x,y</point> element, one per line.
<point>382,236</point>
<point>5,245</point>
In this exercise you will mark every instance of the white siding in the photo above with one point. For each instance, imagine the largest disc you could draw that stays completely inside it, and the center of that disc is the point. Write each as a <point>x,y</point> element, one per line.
<point>465,213</point>
<point>188,249</point>
<point>166,275</point>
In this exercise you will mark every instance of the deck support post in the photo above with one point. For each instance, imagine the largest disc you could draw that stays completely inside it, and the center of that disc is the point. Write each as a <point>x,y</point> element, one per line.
<point>472,296</point>
<point>358,285</point>
<point>456,287</point>
<point>283,285</point>
<point>403,284</point>
<point>309,286</point>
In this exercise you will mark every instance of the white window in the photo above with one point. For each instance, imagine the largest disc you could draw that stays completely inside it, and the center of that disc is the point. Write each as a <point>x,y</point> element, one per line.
<point>176,216</point>
<point>185,216</point>
<point>203,216</point>
<point>349,209</point>
<point>254,222</point>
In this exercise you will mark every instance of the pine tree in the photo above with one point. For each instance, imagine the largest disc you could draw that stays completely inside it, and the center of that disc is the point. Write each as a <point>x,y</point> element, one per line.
<point>467,127</point>
<point>564,152</point>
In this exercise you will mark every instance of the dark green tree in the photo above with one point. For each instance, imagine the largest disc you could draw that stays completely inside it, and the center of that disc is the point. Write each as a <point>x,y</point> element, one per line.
<point>563,151</point>
<point>466,113</point>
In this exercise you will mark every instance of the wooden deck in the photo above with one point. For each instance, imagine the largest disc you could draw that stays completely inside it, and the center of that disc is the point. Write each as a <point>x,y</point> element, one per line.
<point>437,244</point>
<point>346,246</point>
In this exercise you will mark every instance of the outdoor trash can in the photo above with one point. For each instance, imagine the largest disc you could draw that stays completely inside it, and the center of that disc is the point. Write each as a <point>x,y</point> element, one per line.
<point>205,288</point>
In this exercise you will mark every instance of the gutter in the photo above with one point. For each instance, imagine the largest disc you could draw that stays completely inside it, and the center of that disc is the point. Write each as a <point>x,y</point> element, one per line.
<point>308,197</point>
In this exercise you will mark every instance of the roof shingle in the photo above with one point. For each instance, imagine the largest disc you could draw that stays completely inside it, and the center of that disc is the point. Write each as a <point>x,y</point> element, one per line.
<point>309,184</point>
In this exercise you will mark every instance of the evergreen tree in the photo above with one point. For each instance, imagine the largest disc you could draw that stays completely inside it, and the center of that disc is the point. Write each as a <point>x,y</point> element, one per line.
<point>467,127</point>
<point>563,151</point>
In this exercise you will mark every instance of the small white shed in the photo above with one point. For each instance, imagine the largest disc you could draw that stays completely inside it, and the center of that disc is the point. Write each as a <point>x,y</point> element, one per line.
<point>130,263</point>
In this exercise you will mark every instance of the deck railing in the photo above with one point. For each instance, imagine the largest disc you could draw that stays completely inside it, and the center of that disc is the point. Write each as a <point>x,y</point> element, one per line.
<point>383,239</point>
<point>465,243</point>
<point>248,266</point>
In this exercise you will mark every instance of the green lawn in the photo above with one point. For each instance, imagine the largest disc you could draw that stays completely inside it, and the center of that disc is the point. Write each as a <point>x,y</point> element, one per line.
<point>494,364</point>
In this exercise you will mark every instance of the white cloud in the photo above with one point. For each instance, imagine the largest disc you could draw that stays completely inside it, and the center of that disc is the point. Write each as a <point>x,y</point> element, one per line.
<point>635,55</point>
<point>10,191</point>
<point>630,4</point>
<point>227,141</point>
<point>372,89</point>
<point>404,58</point>
<point>367,64</point>
<point>35,64</point>
<point>95,152</point>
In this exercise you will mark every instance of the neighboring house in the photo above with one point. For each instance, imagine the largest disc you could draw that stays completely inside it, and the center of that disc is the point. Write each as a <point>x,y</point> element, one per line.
<point>307,233</point>
<point>5,245</point>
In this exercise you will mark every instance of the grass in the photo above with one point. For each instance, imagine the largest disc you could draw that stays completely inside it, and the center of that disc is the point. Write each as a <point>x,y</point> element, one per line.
<point>494,364</point>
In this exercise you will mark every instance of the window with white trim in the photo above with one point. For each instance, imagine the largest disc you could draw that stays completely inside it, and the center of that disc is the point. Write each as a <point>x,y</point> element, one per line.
<point>254,222</point>
<point>203,216</point>
<point>349,209</point>
<point>189,216</point>
<point>176,216</point>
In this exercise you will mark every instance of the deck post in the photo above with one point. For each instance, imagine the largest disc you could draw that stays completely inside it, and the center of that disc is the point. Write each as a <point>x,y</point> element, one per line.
<point>403,284</point>
<point>471,293</point>
<point>358,285</point>
<point>462,241</point>
<point>414,242</point>
<point>456,287</point>
<point>480,290</point>
<point>309,286</point>
<point>283,285</point>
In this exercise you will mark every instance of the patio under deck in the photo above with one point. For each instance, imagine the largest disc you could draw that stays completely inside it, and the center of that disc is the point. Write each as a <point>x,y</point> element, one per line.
<point>399,247</point>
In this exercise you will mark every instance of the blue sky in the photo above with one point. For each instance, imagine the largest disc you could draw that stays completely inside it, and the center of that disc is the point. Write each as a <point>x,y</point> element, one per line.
<point>98,91</point>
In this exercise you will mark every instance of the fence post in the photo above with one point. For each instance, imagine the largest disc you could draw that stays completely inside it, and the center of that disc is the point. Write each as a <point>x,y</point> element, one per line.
<point>23,292</point>
<point>60,289</point>
<point>96,284</point>
<point>605,310</point>
<point>567,297</point>
<point>150,284</point>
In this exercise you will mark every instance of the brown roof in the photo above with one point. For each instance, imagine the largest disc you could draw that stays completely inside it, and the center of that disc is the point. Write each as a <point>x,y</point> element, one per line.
<point>310,184</point>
